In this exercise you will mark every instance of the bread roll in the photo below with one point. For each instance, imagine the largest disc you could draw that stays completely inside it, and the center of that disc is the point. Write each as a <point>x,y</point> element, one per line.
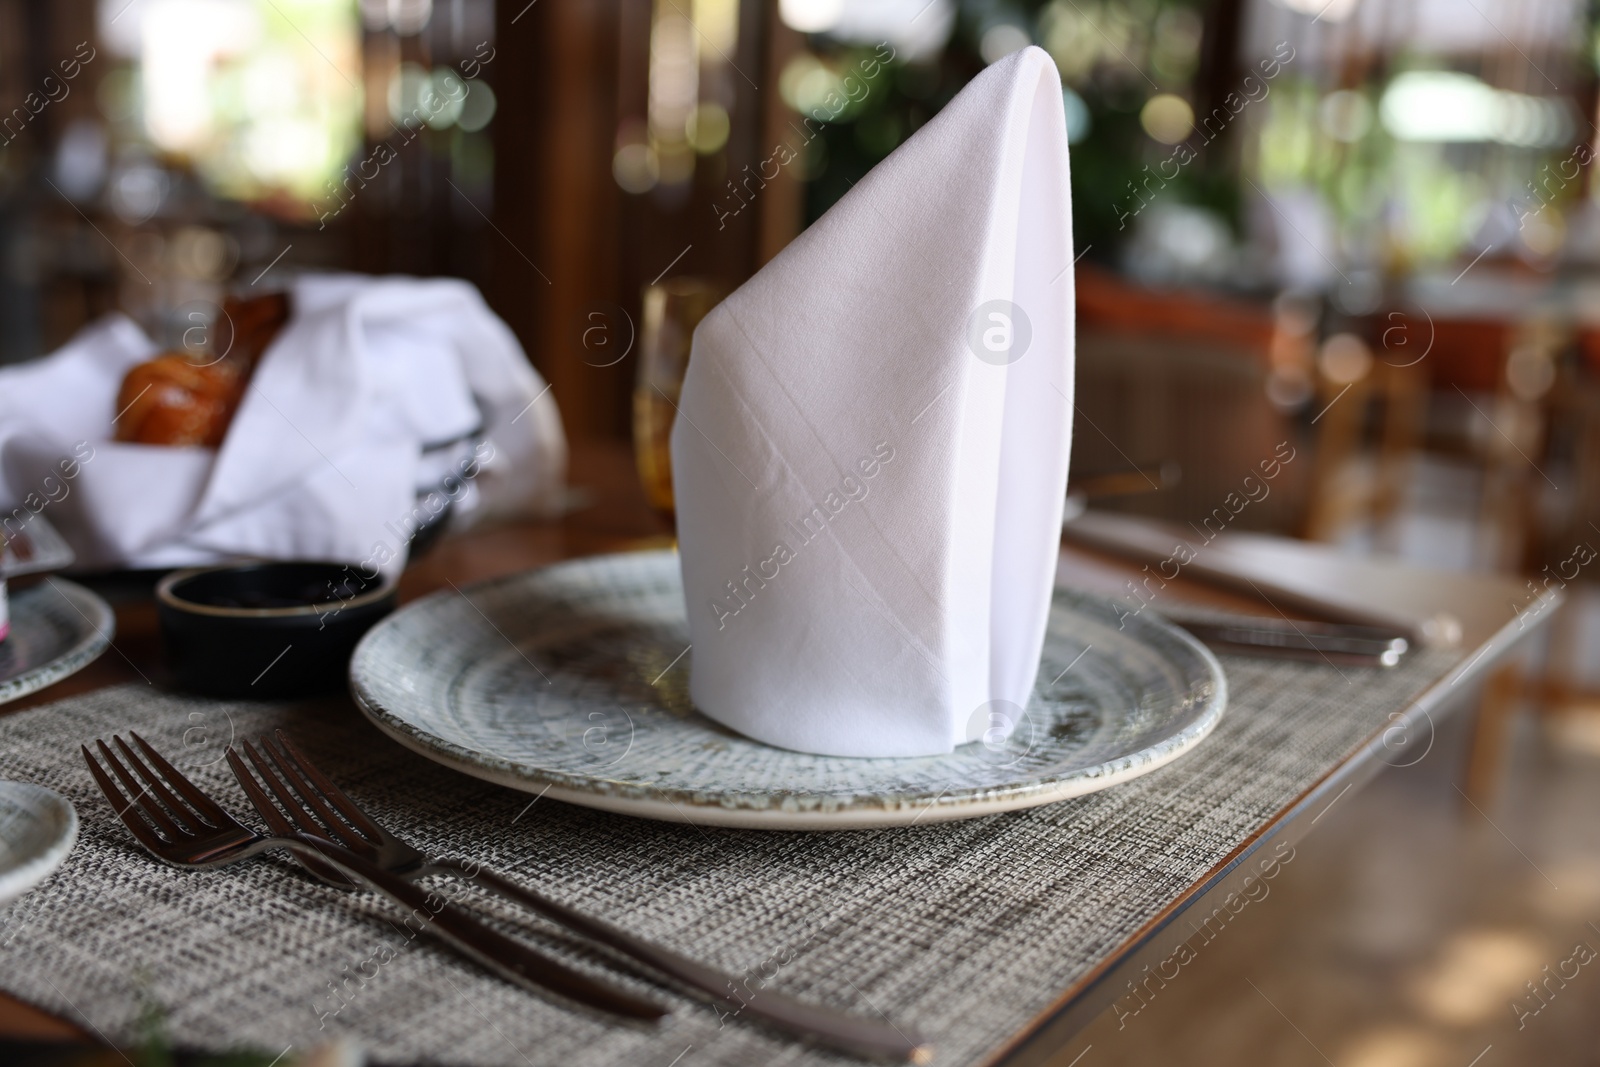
<point>176,399</point>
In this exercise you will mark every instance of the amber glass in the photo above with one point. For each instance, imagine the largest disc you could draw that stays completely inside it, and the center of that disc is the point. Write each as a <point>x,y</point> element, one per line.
<point>672,310</point>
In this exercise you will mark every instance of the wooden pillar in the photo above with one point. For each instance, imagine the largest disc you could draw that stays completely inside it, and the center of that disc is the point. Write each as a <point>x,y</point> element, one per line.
<point>555,203</point>
<point>570,240</point>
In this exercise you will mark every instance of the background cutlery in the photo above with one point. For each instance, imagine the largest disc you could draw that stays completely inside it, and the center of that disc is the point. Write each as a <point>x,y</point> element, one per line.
<point>1266,569</point>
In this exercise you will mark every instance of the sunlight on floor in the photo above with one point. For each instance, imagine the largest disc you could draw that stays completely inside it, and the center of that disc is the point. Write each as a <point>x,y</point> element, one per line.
<point>1577,729</point>
<point>1477,974</point>
<point>1394,1046</point>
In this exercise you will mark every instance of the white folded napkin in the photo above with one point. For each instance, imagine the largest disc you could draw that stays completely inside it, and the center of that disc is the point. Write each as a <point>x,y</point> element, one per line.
<point>870,459</point>
<point>327,452</point>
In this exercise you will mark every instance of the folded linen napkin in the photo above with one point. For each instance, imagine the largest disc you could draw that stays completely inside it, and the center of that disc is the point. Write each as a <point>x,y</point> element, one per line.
<point>327,452</point>
<point>871,454</point>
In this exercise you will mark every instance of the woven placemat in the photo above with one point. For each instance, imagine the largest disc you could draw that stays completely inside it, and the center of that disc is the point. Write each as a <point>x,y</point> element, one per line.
<point>971,929</point>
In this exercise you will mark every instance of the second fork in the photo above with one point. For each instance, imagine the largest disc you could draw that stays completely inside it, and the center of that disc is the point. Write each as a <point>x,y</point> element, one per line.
<point>287,772</point>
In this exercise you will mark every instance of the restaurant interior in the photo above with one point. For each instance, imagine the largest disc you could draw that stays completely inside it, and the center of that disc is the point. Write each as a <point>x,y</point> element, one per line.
<point>1332,325</point>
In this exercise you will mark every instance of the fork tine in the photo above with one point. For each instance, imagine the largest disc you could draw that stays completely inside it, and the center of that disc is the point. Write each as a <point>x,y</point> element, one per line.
<point>263,803</point>
<point>276,821</point>
<point>335,795</point>
<point>151,809</point>
<point>181,811</point>
<point>140,829</point>
<point>208,808</point>
<point>341,833</point>
<point>291,807</point>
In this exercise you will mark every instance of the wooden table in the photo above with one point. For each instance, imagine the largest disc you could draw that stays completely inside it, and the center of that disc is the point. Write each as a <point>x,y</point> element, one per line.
<point>609,514</point>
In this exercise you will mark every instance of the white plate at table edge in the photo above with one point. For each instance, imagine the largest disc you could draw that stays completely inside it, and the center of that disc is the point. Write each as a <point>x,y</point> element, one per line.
<point>35,868</point>
<point>683,807</point>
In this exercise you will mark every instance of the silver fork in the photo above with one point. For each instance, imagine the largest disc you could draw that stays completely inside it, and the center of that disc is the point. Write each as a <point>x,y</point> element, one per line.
<point>196,832</point>
<point>285,766</point>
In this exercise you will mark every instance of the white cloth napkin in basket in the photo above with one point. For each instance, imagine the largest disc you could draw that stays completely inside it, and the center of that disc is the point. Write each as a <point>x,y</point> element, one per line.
<point>326,458</point>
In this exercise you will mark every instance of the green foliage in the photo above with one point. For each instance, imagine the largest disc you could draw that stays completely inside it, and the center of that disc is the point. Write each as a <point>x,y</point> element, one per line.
<point>1110,52</point>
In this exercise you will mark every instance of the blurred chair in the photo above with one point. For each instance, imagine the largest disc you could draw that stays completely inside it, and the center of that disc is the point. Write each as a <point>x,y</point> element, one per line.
<point>1561,536</point>
<point>1534,423</point>
<point>1518,401</point>
<point>1347,485</point>
<point>1175,382</point>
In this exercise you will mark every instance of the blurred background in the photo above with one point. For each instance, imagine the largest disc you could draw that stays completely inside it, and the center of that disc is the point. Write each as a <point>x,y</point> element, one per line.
<point>1367,228</point>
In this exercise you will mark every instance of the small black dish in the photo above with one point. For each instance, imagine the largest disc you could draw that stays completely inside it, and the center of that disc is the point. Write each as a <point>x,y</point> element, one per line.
<point>267,630</point>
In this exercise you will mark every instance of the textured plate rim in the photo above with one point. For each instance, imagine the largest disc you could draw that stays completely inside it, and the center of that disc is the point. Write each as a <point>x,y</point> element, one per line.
<point>35,869</point>
<point>101,625</point>
<point>736,810</point>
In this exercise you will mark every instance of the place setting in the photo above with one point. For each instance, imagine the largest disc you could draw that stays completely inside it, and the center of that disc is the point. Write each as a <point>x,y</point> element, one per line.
<point>358,703</point>
<point>960,689</point>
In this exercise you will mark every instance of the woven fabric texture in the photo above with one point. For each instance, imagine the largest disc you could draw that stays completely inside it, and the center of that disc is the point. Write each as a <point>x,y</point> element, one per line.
<point>969,929</point>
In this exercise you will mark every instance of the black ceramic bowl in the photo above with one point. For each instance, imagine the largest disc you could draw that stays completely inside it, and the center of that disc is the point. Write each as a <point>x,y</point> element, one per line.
<point>267,630</point>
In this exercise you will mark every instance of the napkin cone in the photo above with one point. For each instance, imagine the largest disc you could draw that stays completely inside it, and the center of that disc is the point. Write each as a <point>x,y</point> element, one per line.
<point>870,456</point>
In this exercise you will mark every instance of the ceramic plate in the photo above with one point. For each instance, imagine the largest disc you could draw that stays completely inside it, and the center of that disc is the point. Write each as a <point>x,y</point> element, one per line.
<point>572,682</point>
<point>57,629</point>
<point>35,549</point>
<point>37,830</point>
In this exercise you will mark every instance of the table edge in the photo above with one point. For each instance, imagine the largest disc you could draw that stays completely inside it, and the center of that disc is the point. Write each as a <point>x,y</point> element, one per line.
<point>1088,996</point>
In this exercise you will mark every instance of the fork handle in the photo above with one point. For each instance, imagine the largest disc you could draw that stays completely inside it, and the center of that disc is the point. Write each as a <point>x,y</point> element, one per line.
<point>848,1033</point>
<point>509,958</point>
